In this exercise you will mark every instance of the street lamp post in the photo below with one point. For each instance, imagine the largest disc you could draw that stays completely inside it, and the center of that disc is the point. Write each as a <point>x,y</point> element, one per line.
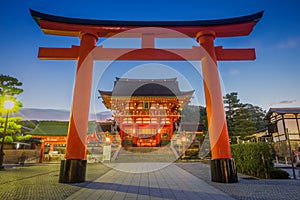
<point>8,105</point>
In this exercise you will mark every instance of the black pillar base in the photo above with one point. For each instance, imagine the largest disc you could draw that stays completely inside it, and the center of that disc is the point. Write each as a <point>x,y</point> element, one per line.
<point>72,171</point>
<point>223,170</point>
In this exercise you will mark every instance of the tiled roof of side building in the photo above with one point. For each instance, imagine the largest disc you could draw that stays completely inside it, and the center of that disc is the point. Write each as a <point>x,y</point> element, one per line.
<point>58,128</point>
<point>291,110</point>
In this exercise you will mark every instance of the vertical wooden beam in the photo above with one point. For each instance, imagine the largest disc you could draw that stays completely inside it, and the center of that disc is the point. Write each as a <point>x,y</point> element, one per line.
<point>222,166</point>
<point>74,167</point>
<point>42,152</point>
<point>78,126</point>
<point>148,40</point>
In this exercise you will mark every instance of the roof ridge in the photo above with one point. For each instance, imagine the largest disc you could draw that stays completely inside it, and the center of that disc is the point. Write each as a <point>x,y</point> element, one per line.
<point>147,80</point>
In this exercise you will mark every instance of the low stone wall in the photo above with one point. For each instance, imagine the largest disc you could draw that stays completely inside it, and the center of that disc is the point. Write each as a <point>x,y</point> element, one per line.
<point>13,156</point>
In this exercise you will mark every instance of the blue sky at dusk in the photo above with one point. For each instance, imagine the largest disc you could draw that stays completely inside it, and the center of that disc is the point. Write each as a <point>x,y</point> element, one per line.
<point>272,80</point>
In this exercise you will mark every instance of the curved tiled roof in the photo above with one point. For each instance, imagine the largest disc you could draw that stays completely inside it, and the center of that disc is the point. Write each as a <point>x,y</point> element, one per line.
<point>66,26</point>
<point>146,87</point>
<point>235,20</point>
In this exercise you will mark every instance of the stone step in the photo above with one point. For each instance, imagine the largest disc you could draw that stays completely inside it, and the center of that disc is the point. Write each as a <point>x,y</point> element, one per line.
<point>145,154</point>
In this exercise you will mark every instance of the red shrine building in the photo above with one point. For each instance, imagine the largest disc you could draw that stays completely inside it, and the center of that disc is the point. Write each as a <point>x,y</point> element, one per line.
<point>146,111</point>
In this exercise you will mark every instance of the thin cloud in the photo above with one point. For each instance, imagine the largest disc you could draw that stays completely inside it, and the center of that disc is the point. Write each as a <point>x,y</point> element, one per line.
<point>287,102</point>
<point>289,43</point>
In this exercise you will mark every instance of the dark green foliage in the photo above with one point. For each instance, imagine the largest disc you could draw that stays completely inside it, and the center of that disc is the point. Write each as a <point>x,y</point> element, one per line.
<point>242,119</point>
<point>127,143</point>
<point>191,154</point>
<point>195,114</point>
<point>277,173</point>
<point>9,86</point>
<point>254,159</point>
<point>164,142</point>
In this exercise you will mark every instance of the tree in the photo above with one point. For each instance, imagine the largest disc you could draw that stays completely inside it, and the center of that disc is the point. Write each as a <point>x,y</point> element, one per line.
<point>9,89</point>
<point>243,123</point>
<point>232,105</point>
<point>243,119</point>
<point>9,86</point>
<point>257,115</point>
<point>194,114</point>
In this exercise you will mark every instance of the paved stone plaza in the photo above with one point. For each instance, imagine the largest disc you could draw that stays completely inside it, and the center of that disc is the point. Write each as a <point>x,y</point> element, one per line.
<point>144,181</point>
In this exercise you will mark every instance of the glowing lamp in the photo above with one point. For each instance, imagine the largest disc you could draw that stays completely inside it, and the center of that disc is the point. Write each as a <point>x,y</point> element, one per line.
<point>8,104</point>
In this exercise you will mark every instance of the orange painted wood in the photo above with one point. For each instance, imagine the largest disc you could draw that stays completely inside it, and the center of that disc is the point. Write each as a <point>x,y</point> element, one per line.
<point>217,127</point>
<point>46,53</point>
<point>65,29</point>
<point>78,126</point>
<point>235,54</point>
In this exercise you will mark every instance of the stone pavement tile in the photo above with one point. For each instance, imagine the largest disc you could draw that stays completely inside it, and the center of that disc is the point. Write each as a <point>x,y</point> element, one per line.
<point>108,194</point>
<point>167,193</point>
<point>131,196</point>
<point>155,192</point>
<point>155,198</point>
<point>170,182</point>
<point>119,195</point>
<point>144,191</point>
<point>248,189</point>
<point>143,197</point>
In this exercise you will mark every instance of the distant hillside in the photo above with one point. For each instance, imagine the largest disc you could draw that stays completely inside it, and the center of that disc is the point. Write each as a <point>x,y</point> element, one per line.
<point>57,115</point>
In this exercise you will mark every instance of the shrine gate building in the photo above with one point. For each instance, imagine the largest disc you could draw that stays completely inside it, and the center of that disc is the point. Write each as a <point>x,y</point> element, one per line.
<point>146,110</point>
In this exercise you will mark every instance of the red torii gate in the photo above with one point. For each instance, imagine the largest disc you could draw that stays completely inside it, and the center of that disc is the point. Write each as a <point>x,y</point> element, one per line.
<point>205,31</point>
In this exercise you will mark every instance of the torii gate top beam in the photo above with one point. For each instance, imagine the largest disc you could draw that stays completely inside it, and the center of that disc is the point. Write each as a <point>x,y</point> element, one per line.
<point>57,25</point>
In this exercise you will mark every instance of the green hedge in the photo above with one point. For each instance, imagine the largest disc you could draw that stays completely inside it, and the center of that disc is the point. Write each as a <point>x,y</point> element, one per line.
<point>126,143</point>
<point>278,173</point>
<point>254,159</point>
<point>164,142</point>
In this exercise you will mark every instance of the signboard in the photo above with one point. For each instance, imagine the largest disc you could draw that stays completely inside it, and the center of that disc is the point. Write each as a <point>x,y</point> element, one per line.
<point>106,152</point>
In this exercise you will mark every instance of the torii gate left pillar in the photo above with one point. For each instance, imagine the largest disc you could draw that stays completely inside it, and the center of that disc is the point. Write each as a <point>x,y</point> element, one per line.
<point>74,167</point>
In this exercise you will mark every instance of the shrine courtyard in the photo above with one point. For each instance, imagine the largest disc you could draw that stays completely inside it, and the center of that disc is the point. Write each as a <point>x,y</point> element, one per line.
<point>179,180</point>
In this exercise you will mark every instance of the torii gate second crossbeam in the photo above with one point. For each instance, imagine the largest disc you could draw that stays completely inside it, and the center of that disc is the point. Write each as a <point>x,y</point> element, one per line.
<point>73,169</point>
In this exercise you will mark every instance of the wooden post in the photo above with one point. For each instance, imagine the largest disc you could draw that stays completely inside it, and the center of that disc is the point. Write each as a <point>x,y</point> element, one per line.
<point>73,168</point>
<point>42,152</point>
<point>222,165</point>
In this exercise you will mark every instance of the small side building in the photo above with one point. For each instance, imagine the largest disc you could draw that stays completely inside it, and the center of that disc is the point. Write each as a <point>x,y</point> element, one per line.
<point>284,125</point>
<point>53,137</point>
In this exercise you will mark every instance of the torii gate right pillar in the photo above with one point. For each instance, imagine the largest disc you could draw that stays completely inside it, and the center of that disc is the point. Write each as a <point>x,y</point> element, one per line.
<point>223,167</point>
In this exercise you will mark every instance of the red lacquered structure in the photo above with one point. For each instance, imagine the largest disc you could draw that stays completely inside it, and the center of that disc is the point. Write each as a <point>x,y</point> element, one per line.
<point>89,31</point>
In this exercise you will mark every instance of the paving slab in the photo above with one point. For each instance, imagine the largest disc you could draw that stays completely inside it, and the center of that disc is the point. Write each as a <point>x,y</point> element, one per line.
<point>168,182</point>
<point>248,188</point>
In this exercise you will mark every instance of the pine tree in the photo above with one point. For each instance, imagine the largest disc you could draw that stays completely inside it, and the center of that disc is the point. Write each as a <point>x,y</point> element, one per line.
<point>242,119</point>
<point>232,106</point>
<point>9,86</point>
<point>9,89</point>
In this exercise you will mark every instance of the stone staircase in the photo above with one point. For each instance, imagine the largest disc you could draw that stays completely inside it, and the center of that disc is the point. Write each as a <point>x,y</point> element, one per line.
<point>144,155</point>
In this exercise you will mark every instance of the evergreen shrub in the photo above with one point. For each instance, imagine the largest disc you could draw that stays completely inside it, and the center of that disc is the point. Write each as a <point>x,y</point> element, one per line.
<point>255,159</point>
<point>277,173</point>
